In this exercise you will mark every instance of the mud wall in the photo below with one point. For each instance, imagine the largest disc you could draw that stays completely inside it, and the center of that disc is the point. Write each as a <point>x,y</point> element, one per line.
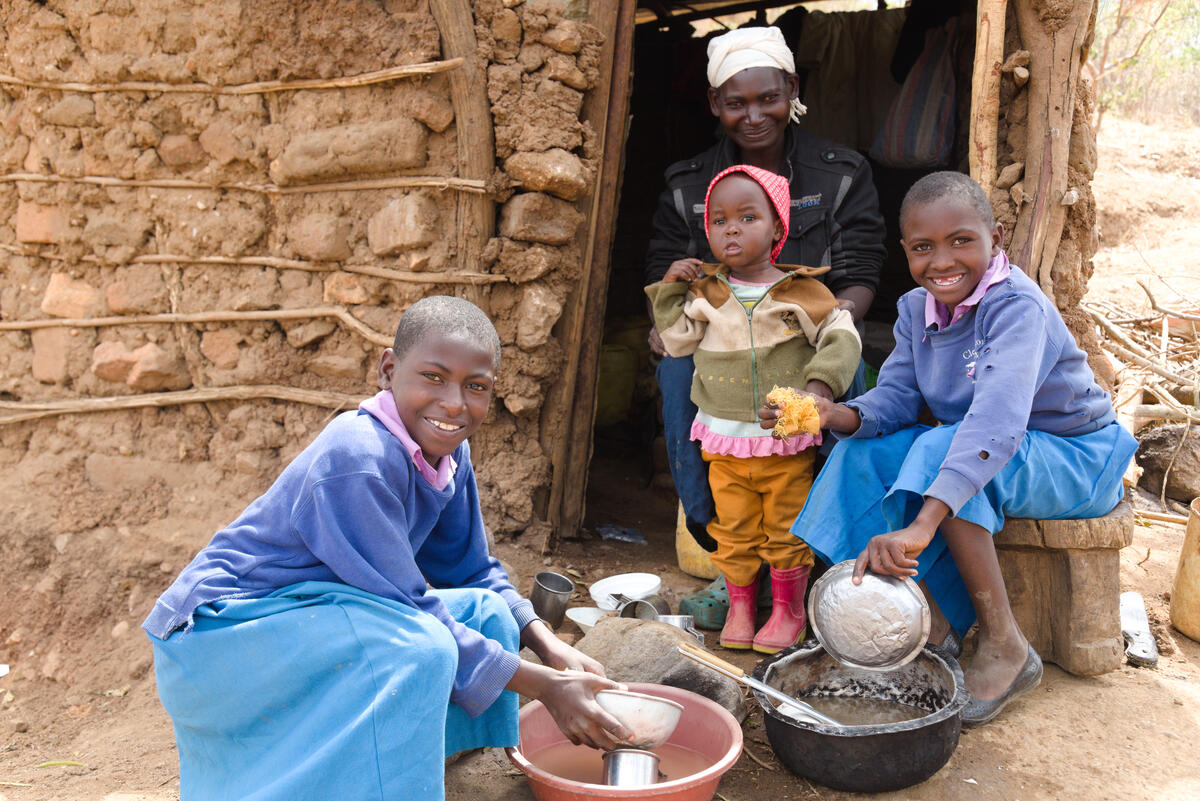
<point>289,228</point>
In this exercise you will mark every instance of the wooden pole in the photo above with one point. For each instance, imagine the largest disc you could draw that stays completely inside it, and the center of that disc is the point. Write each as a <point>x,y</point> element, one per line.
<point>572,456</point>
<point>985,91</point>
<point>1056,49</point>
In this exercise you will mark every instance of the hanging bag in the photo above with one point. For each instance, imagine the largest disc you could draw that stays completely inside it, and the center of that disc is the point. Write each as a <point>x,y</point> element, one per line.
<point>919,128</point>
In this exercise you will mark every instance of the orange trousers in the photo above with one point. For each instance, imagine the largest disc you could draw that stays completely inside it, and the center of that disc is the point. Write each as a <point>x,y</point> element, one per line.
<point>757,500</point>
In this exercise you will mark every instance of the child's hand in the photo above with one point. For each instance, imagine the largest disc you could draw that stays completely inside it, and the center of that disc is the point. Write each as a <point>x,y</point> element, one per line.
<point>894,553</point>
<point>570,698</point>
<point>684,270</point>
<point>560,656</point>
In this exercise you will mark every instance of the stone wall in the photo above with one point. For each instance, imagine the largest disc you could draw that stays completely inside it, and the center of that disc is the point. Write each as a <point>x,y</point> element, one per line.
<point>137,202</point>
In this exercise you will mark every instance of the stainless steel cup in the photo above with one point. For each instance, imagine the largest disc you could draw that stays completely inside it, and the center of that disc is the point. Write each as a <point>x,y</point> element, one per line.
<point>550,596</point>
<point>648,608</point>
<point>685,622</point>
<point>630,767</point>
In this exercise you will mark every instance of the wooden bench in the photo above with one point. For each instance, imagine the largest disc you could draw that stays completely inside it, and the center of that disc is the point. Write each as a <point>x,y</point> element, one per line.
<point>1063,579</point>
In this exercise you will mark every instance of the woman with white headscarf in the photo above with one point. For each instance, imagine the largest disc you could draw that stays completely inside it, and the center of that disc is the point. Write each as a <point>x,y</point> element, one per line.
<point>835,221</point>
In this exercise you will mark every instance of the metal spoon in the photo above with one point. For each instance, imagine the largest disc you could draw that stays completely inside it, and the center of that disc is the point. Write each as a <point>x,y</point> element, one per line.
<point>792,707</point>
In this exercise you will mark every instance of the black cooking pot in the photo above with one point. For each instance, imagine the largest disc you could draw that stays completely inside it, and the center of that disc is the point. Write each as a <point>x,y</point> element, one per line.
<point>873,758</point>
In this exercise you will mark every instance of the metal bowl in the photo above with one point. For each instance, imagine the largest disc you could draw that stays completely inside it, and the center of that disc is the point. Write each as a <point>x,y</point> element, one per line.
<point>879,624</point>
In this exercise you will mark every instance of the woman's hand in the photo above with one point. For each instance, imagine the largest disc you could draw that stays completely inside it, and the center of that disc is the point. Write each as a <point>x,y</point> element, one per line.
<point>684,270</point>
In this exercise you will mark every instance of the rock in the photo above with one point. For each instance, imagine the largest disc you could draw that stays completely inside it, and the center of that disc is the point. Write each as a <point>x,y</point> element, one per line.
<point>384,146</point>
<point>310,332</point>
<point>177,150</point>
<point>113,361</point>
<point>565,37</point>
<point>40,224</point>
<point>1155,450</point>
<point>116,228</point>
<point>66,297</point>
<point>254,463</point>
<point>220,142</point>
<point>119,630</point>
<point>1010,175</point>
<point>51,352</point>
<point>556,171</point>
<point>72,110</point>
<point>434,111</point>
<point>536,217</point>
<point>537,313</point>
<point>221,347</point>
<point>321,237</point>
<point>644,650</point>
<point>344,288</point>
<point>156,370</point>
<point>562,68</point>
<point>506,26</point>
<point>404,223</point>
<point>140,291</point>
<point>529,264</point>
<point>332,366</point>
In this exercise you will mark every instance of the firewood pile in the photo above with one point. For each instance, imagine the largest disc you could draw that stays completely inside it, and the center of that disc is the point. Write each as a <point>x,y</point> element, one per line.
<point>1157,355</point>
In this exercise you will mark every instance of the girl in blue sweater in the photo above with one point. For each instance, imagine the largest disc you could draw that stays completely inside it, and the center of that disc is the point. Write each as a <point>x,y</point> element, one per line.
<point>1024,431</point>
<point>301,655</point>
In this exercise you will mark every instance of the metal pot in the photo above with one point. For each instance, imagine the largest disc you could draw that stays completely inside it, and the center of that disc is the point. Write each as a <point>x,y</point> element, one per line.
<point>871,758</point>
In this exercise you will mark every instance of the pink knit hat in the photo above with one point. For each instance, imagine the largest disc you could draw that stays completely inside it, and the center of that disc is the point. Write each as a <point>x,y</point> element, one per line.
<point>778,192</point>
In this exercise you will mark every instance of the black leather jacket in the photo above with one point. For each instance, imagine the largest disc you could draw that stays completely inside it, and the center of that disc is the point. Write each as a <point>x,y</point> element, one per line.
<point>835,216</point>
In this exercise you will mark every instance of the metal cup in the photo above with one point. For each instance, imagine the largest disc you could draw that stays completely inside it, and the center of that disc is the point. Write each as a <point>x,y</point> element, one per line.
<point>630,767</point>
<point>648,608</point>
<point>685,622</point>
<point>550,596</point>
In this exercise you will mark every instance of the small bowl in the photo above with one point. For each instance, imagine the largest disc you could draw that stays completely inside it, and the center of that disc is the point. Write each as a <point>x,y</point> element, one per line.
<point>651,719</point>
<point>880,624</point>
<point>585,616</point>
<point>634,586</point>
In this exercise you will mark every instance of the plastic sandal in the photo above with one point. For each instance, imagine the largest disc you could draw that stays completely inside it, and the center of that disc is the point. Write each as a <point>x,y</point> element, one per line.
<point>709,606</point>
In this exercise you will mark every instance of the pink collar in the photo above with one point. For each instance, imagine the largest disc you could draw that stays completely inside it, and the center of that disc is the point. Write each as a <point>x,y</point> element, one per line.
<point>936,312</point>
<point>382,406</point>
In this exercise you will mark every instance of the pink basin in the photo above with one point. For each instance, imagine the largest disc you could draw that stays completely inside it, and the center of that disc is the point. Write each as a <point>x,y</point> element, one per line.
<point>704,727</point>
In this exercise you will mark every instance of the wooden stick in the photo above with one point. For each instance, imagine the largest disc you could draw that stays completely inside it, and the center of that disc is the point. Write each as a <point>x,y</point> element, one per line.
<point>1154,305</point>
<point>38,410</point>
<point>1150,411</point>
<point>985,91</point>
<point>1131,350</point>
<point>1164,518</point>
<point>756,758</point>
<point>405,276</point>
<point>258,87</point>
<point>352,322</point>
<point>473,185</point>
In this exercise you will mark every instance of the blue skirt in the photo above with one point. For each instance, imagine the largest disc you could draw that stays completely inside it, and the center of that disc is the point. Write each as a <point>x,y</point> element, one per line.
<point>321,690</point>
<point>873,486</point>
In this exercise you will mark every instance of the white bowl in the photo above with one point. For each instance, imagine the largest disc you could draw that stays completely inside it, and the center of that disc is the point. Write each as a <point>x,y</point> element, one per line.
<point>633,586</point>
<point>585,616</point>
<point>650,718</point>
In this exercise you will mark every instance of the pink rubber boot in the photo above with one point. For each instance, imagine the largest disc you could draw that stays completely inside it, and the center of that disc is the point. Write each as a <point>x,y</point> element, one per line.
<point>738,633</point>
<point>786,625</point>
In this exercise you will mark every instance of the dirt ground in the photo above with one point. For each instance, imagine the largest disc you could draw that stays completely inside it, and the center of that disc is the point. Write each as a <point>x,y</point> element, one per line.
<point>81,691</point>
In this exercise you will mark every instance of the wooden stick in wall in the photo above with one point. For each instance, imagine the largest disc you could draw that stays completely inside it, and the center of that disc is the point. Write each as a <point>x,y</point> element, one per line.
<point>258,87</point>
<point>35,410</point>
<point>985,91</point>
<point>337,312</point>
<point>473,185</point>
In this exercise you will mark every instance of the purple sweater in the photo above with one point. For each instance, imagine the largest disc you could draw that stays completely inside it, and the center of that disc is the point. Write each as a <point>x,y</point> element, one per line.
<point>351,508</point>
<point>1008,366</point>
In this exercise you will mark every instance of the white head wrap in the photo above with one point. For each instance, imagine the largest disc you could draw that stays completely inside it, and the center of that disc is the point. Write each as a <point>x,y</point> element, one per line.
<point>732,52</point>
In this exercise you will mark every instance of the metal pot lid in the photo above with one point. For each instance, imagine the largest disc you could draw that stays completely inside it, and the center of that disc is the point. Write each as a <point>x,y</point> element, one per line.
<point>879,624</point>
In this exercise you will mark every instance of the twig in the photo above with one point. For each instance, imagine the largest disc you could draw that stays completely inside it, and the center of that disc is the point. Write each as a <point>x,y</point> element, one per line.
<point>35,410</point>
<point>258,87</point>
<point>1162,495</point>
<point>1139,564</point>
<point>397,182</point>
<point>816,792</point>
<point>755,757</point>
<point>1154,305</point>
<point>351,322</point>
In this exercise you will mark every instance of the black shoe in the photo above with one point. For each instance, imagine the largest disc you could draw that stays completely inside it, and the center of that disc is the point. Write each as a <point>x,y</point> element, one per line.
<point>1030,676</point>
<point>951,645</point>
